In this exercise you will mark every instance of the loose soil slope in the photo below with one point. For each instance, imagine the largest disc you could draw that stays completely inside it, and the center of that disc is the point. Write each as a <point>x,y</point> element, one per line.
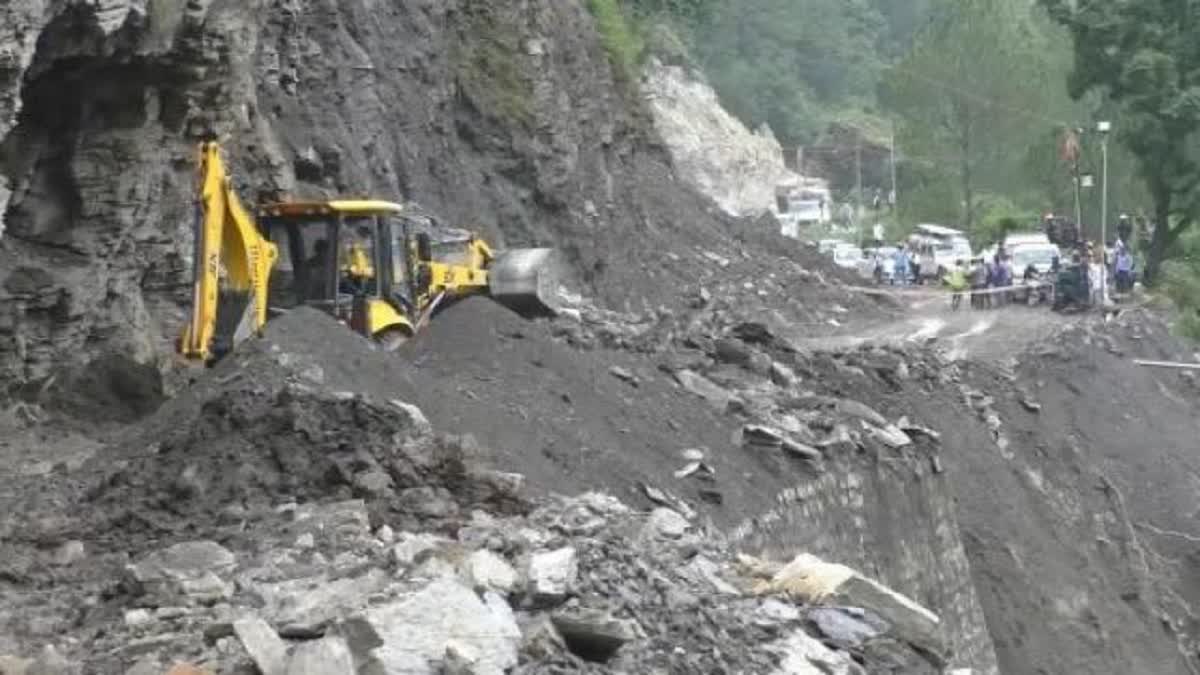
<point>1078,511</point>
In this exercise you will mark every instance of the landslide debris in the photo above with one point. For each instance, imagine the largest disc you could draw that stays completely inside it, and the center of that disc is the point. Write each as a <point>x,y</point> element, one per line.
<point>306,479</point>
<point>269,517</point>
<point>1075,497</point>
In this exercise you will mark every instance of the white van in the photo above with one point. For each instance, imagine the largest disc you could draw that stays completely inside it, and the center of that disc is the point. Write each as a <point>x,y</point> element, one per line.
<point>938,248</point>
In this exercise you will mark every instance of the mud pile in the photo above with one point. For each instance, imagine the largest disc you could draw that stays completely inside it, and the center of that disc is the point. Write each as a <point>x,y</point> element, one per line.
<point>290,502</point>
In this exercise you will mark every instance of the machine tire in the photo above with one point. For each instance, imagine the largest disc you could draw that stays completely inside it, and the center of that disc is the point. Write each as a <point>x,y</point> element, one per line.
<point>392,339</point>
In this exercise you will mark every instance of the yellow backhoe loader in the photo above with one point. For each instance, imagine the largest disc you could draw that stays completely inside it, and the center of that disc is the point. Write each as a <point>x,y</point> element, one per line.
<point>364,261</point>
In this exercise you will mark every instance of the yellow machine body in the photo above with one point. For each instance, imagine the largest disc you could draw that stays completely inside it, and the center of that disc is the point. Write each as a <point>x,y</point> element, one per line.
<point>358,259</point>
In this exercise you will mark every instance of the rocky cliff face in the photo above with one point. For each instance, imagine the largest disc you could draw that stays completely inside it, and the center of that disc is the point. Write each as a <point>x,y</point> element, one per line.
<point>505,117</point>
<point>710,148</point>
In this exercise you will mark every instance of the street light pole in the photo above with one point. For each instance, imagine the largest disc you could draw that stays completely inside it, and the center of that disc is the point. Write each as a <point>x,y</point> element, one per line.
<point>1104,128</point>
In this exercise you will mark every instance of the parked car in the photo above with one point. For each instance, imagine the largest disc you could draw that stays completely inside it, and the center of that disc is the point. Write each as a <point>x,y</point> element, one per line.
<point>1041,256</point>
<point>879,264</point>
<point>847,256</point>
<point>826,246</point>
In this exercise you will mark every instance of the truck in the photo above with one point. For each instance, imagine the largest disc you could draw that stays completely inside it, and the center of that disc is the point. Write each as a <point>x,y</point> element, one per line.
<point>800,204</point>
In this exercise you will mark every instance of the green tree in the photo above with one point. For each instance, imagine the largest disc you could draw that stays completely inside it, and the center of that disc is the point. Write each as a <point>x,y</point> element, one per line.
<point>787,62</point>
<point>1143,56</point>
<point>970,46</point>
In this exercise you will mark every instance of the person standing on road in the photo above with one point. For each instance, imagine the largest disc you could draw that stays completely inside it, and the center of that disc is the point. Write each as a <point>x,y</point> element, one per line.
<point>957,281</point>
<point>900,262</point>
<point>979,283</point>
<point>1124,268</point>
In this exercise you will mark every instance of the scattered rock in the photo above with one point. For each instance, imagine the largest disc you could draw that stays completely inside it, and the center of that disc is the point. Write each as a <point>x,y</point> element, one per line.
<point>1031,405</point>
<point>809,579</point>
<point>68,553</point>
<point>461,659</point>
<point>917,430</point>
<point>800,450</point>
<point>665,523</point>
<point>698,469</point>
<point>190,569</point>
<point>845,626</point>
<point>327,656</point>
<point>138,617</point>
<point>704,388</point>
<point>783,376</point>
<point>410,634</point>
<point>624,375</point>
<point>593,635</point>
<point>802,654</point>
<point>542,640</point>
<point>51,662</point>
<point>263,645</point>
<point>485,571</point>
<point>409,546</point>
<point>890,434</point>
<point>762,436</point>
<point>551,575</point>
<point>861,411</point>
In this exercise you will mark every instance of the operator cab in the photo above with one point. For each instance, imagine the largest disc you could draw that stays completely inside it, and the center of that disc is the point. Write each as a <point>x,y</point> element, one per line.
<point>348,258</point>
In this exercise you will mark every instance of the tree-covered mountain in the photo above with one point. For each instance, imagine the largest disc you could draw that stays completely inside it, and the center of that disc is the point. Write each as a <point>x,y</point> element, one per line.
<point>974,89</point>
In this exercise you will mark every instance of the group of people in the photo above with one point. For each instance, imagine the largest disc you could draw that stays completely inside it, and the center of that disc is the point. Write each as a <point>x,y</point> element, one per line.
<point>992,283</point>
<point>1078,284</point>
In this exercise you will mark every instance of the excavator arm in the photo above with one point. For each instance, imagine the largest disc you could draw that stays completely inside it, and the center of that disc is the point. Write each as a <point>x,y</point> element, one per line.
<point>228,242</point>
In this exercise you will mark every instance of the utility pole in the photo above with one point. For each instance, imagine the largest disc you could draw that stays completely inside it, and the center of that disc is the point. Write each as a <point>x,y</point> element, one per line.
<point>1079,207</point>
<point>1104,128</point>
<point>894,197</point>
<point>800,160</point>
<point>858,178</point>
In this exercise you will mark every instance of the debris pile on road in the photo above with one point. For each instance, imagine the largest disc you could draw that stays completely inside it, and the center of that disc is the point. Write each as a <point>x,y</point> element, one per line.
<point>291,511</point>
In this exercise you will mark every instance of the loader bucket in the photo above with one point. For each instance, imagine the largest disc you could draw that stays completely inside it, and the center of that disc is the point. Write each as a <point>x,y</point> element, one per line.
<point>526,280</point>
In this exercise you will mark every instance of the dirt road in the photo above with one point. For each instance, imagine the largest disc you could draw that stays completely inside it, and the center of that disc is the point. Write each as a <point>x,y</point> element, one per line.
<point>992,334</point>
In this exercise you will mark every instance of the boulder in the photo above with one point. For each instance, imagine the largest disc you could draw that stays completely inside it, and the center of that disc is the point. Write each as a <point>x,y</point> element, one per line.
<point>704,571</point>
<point>705,388</point>
<point>306,605</point>
<point>594,635</point>
<point>541,639</point>
<point>550,575</point>
<point>485,570</point>
<point>783,376</point>
<point>890,435</point>
<point>263,644</point>
<point>409,546</point>
<point>801,654</point>
<point>665,523</point>
<point>327,656</point>
<point>861,411</point>
<point>69,553</point>
<point>192,569</point>
<point>811,580</point>
<point>410,634</point>
<point>846,626</point>
<point>762,436</point>
<point>339,522</point>
<point>733,351</point>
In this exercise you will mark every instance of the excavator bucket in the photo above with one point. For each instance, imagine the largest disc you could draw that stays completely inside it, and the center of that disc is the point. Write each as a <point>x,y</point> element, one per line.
<point>526,280</point>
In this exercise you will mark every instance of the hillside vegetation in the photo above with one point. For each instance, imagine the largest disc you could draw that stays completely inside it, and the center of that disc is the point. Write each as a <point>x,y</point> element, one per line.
<point>973,89</point>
